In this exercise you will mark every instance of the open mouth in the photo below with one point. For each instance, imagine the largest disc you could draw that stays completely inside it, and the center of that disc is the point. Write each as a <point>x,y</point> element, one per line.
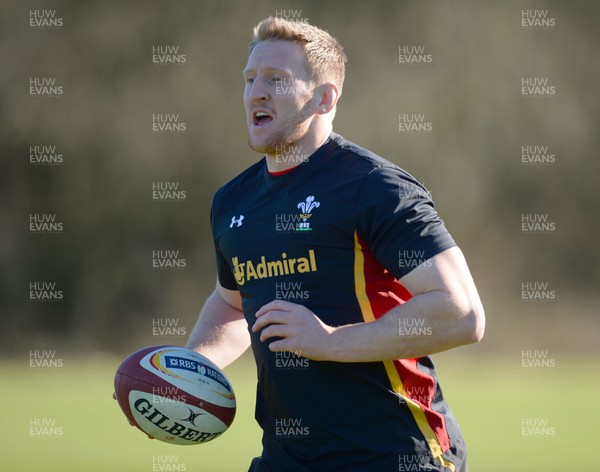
<point>261,118</point>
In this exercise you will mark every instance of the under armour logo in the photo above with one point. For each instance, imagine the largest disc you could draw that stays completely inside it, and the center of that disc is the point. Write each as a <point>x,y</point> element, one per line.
<point>237,221</point>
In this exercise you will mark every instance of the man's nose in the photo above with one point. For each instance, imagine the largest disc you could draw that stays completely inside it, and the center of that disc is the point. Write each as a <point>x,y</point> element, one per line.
<point>258,91</point>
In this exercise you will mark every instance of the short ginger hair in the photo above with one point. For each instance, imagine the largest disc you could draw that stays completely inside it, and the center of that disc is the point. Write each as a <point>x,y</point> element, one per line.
<point>325,56</point>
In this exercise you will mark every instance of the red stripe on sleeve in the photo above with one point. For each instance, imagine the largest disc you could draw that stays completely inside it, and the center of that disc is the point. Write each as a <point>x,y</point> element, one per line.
<point>384,293</point>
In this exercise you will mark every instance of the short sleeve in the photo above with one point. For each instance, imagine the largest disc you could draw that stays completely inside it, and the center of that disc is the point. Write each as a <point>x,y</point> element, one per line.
<point>397,221</point>
<point>224,273</point>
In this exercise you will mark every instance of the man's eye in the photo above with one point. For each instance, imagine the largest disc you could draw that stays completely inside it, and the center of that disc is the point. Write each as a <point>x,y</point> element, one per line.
<point>249,80</point>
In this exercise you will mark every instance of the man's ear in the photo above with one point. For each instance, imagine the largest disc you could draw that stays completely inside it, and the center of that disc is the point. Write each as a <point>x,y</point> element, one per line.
<point>327,96</point>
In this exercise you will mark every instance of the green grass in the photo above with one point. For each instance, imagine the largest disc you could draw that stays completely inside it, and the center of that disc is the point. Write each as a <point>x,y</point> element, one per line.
<point>492,396</point>
<point>489,396</point>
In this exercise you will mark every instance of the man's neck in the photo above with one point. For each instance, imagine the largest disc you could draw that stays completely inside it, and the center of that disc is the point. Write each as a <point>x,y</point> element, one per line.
<point>296,154</point>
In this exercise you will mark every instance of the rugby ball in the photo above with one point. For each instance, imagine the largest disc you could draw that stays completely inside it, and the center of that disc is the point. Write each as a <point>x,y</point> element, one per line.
<point>175,395</point>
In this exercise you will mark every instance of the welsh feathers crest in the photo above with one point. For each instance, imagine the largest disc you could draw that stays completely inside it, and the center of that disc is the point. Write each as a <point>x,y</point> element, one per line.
<point>308,206</point>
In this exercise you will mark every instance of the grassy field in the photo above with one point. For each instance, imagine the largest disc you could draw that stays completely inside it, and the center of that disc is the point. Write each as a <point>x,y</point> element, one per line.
<point>491,397</point>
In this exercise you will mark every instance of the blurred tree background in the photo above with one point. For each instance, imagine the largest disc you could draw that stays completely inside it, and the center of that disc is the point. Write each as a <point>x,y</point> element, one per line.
<point>102,56</point>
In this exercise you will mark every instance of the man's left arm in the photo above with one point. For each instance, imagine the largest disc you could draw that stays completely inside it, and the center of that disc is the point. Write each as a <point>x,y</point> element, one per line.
<point>444,312</point>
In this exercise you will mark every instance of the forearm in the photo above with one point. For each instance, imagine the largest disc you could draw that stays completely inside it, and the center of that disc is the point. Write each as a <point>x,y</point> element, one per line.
<point>221,332</point>
<point>444,312</point>
<point>427,323</point>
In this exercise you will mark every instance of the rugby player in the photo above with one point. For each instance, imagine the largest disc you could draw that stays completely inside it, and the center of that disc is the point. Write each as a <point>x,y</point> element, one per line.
<point>333,264</point>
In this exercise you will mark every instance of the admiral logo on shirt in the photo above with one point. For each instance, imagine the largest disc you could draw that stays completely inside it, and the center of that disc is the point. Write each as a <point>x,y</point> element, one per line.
<point>248,270</point>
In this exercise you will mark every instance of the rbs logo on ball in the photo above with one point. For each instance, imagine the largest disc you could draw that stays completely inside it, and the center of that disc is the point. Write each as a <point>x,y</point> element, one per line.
<point>194,366</point>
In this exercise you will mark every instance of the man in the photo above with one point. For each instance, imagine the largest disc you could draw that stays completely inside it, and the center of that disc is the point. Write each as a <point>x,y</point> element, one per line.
<point>333,264</point>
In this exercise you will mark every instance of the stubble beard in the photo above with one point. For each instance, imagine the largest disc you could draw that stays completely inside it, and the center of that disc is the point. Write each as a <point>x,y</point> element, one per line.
<point>285,137</point>
<point>280,140</point>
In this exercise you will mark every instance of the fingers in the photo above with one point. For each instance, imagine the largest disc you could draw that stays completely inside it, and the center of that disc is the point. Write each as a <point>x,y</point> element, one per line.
<point>279,305</point>
<point>281,345</point>
<point>270,317</point>
<point>275,331</point>
<point>282,319</point>
<point>131,423</point>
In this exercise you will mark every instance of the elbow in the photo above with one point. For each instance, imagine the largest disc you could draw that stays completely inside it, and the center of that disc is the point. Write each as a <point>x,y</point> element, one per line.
<point>474,324</point>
